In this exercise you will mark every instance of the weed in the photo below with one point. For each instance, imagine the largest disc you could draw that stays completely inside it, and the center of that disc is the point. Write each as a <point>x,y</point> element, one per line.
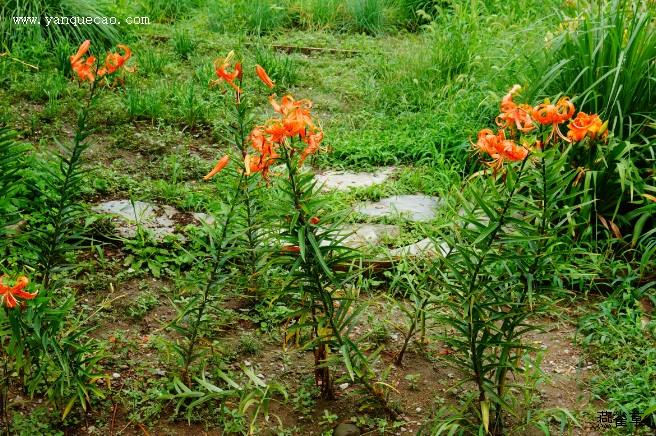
<point>368,16</point>
<point>249,345</point>
<point>183,44</point>
<point>281,68</point>
<point>143,304</point>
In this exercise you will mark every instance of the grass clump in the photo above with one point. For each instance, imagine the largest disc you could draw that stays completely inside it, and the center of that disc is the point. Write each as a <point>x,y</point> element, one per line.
<point>17,34</point>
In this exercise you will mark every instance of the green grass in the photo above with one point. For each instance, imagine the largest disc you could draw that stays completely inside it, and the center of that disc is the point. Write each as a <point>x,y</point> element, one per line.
<point>604,55</point>
<point>27,34</point>
<point>620,337</point>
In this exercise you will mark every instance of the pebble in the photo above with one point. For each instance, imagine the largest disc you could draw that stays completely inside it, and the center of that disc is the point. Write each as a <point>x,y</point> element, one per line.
<point>345,429</point>
<point>418,409</point>
<point>116,375</point>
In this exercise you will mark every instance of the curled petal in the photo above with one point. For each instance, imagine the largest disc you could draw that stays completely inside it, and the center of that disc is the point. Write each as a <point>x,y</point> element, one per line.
<point>9,293</point>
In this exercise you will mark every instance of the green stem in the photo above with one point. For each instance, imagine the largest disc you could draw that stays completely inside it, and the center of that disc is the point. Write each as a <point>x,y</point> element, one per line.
<point>212,282</point>
<point>248,201</point>
<point>472,326</point>
<point>510,324</point>
<point>324,297</point>
<point>54,238</point>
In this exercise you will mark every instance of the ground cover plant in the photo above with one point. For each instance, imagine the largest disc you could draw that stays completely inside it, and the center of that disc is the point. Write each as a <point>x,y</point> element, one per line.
<point>328,217</point>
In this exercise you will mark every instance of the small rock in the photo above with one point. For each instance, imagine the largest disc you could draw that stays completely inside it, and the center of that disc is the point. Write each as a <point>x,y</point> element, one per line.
<point>363,235</point>
<point>344,386</point>
<point>345,429</point>
<point>116,375</point>
<point>418,409</point>
<point>417,207</point>
<point>345,180</point>
<point>425,247</point>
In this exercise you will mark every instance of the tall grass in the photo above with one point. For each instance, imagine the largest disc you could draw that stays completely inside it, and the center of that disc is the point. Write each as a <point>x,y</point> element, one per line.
<point>12,34</point>
<point>281,67</point>
<point>254,17</point>
<point>606,56</point>
<point>368,16</point>
<point>319,14</point>
<point>167,11</point>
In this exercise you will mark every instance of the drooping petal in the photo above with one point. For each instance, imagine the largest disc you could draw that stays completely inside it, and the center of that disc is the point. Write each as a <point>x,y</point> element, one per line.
<point>221,164</point>
<point>84,48</point>
<point>264,77</point>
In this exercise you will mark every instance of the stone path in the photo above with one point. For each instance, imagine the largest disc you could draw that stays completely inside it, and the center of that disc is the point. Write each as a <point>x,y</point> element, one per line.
<point>160,220</point>
<point>163,220</point>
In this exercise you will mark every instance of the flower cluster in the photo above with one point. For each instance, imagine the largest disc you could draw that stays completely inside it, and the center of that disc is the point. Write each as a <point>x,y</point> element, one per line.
<point>8,294</point>
<point>293,121</point>
<point>519,119</point>
<point>86,68</point>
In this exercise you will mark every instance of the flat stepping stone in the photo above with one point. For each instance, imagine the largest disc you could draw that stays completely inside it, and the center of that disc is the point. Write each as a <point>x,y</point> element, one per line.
<point>161,221</point>
<point>345,180</point>
<point>417,207</point>
<point>367,235</point>
<point>426,247</point>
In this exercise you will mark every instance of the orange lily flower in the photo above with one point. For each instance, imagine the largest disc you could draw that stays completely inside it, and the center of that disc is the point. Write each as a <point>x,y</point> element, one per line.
<point>547,113</point>
<point>290,249</point>
<point>587,125</point>
<point>8,294</point>
<point>83,67</point>
<point>297,122</point>
<point>114,61</point>
<point>515,116</point>
<point>499,148</point>
<point>313,141</point>
<point>221,66</point>
<point>276,130</point>
<point>287,104</point>
<point>219,166</point>
<point>264,77</point>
